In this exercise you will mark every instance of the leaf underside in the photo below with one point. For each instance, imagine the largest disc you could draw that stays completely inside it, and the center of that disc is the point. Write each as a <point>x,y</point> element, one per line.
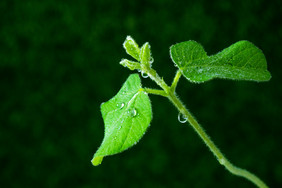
<point>240,61</point>
<point>126,116</point>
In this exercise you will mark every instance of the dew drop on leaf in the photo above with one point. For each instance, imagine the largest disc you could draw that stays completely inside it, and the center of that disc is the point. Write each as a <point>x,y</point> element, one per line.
<point>132,112</point>
<point>182,118</point>
<point>144,75</point>
<point>120,106</point>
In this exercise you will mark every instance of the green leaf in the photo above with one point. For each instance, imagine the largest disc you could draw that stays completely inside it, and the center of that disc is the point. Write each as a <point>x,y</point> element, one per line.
<point>132,65</point>
<point>240,61</point>
<point>185,52</point>
<point>131,47</point>
<point>145,54</point>
<point>126,116</point>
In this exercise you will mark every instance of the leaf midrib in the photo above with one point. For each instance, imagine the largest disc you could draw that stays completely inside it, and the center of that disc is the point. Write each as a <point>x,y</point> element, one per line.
<point>132,103</point>
<point>223,66</point>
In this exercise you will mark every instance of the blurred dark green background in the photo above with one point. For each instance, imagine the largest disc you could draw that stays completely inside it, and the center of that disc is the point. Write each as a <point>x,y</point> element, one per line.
<point>59,60</point>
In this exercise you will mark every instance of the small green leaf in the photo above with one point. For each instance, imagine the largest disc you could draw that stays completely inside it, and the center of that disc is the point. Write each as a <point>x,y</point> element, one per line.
<point>240,61</point>
<point>131,47</point>
<point>145,54</point>
<point>126,116</point>
<point>132,65</point>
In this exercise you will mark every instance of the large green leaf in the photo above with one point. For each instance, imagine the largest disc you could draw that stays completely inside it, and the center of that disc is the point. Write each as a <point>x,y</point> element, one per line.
<point>240,61</point>
<point>126,116</point>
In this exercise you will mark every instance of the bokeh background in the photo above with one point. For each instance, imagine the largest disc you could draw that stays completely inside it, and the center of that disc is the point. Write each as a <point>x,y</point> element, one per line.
<point>59,60</point>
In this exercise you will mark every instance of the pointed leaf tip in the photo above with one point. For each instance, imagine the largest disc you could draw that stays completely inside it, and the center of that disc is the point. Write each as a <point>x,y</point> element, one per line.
<point>97,160</point>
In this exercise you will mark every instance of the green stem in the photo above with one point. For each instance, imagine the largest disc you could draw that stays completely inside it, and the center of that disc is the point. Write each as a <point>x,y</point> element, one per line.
<point>155,91</point>
<point>175,81</point>
<point>170,93</point>
<point>220,157</point>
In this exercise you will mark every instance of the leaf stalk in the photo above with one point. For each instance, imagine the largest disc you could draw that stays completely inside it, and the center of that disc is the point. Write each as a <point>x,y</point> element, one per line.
<point>155,92</point>
<point>175,81</point>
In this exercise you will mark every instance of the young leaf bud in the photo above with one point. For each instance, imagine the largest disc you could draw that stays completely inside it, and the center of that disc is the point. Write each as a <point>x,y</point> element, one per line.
<point>132,65</point>
<point>145,54</point>
<point>131,47</point>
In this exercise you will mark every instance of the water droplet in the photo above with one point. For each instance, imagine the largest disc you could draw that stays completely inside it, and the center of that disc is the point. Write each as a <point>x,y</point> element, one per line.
<point>138,70</point>
<point>200,70</point>
<point>182,118</point>
<point>132,112</point>
<point>151,60</point>
<point>120,106</point>
<point>144,75</point>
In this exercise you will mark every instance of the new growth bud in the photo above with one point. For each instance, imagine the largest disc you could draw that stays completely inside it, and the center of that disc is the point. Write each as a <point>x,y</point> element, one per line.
<point>131,47</point>
<point>145,54</point>
<point>132,65</point>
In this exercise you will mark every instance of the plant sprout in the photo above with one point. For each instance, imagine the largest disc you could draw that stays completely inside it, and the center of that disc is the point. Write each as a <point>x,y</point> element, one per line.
<point>128,114</point>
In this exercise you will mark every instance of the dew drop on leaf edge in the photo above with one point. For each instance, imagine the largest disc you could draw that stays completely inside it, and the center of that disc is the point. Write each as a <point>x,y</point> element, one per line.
<point>151,60</point>
<point>182,118</point>
<point>144,75</point>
